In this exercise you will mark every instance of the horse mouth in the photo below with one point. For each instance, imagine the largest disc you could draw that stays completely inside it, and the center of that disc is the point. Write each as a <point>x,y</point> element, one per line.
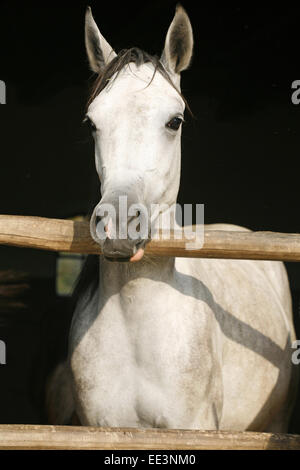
<point>117,259</point>
<point>135,257</point>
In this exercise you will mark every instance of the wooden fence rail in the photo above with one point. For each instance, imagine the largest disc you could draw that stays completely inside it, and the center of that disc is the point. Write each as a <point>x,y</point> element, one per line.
<point>70,236</point>
<point>91,438</point>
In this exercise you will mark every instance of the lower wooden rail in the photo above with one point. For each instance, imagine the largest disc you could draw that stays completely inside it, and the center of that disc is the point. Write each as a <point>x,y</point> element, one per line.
<point>90,438</point>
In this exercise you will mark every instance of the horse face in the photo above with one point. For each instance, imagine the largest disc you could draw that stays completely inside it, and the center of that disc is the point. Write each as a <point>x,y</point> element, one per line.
<point>136,124</point>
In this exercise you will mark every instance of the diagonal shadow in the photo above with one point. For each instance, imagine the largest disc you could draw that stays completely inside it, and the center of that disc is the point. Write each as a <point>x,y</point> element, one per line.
<point>232,327</point>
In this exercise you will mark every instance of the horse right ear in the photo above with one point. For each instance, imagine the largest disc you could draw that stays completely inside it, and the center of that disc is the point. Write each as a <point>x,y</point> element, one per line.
<point>99,52</point>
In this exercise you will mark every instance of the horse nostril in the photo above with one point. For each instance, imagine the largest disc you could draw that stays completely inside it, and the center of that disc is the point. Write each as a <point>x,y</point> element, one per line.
<point>98,220</point>
<point>101,229</point>
<point>134,227</point>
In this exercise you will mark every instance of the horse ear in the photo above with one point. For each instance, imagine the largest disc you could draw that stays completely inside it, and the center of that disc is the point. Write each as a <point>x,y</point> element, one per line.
<point>99,52</point>
<point>179,43</point>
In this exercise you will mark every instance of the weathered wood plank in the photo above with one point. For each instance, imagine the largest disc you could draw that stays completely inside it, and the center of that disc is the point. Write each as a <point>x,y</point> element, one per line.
<point>71,438</point>
<point>72,236</point>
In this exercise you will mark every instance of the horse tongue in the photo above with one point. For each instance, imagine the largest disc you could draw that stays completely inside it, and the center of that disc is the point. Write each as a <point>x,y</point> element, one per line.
<point>138,256</point>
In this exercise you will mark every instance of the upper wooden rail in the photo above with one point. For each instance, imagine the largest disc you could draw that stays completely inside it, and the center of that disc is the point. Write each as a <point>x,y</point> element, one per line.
<point>74,237</point>
<point>91,438</point>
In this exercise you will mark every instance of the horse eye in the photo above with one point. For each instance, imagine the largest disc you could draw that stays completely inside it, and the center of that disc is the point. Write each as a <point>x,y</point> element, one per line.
<point>174,124</point>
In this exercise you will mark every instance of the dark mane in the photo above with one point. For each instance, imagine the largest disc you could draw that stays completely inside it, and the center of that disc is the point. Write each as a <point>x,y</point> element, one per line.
<point>124,58</point>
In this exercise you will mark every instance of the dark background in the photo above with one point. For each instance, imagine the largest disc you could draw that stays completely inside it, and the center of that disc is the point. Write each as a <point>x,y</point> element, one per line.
<point>240,152</point>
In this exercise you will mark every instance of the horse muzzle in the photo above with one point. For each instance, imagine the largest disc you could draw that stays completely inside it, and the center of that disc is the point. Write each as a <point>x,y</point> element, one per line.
<point>122,238</point>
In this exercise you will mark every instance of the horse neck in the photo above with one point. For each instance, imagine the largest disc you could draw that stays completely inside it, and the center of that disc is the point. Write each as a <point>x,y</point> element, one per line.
<point>114,276</point>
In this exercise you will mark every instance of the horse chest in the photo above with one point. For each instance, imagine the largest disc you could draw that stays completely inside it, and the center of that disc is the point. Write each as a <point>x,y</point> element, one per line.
<point>141,369</point>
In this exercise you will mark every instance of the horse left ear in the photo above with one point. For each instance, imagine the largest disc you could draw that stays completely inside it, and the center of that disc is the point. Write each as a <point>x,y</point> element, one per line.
<point>99,52</point>
<point>179,43</point>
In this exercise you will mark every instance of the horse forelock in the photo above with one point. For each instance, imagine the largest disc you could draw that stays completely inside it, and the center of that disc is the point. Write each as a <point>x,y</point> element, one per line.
<point>123,59</point>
